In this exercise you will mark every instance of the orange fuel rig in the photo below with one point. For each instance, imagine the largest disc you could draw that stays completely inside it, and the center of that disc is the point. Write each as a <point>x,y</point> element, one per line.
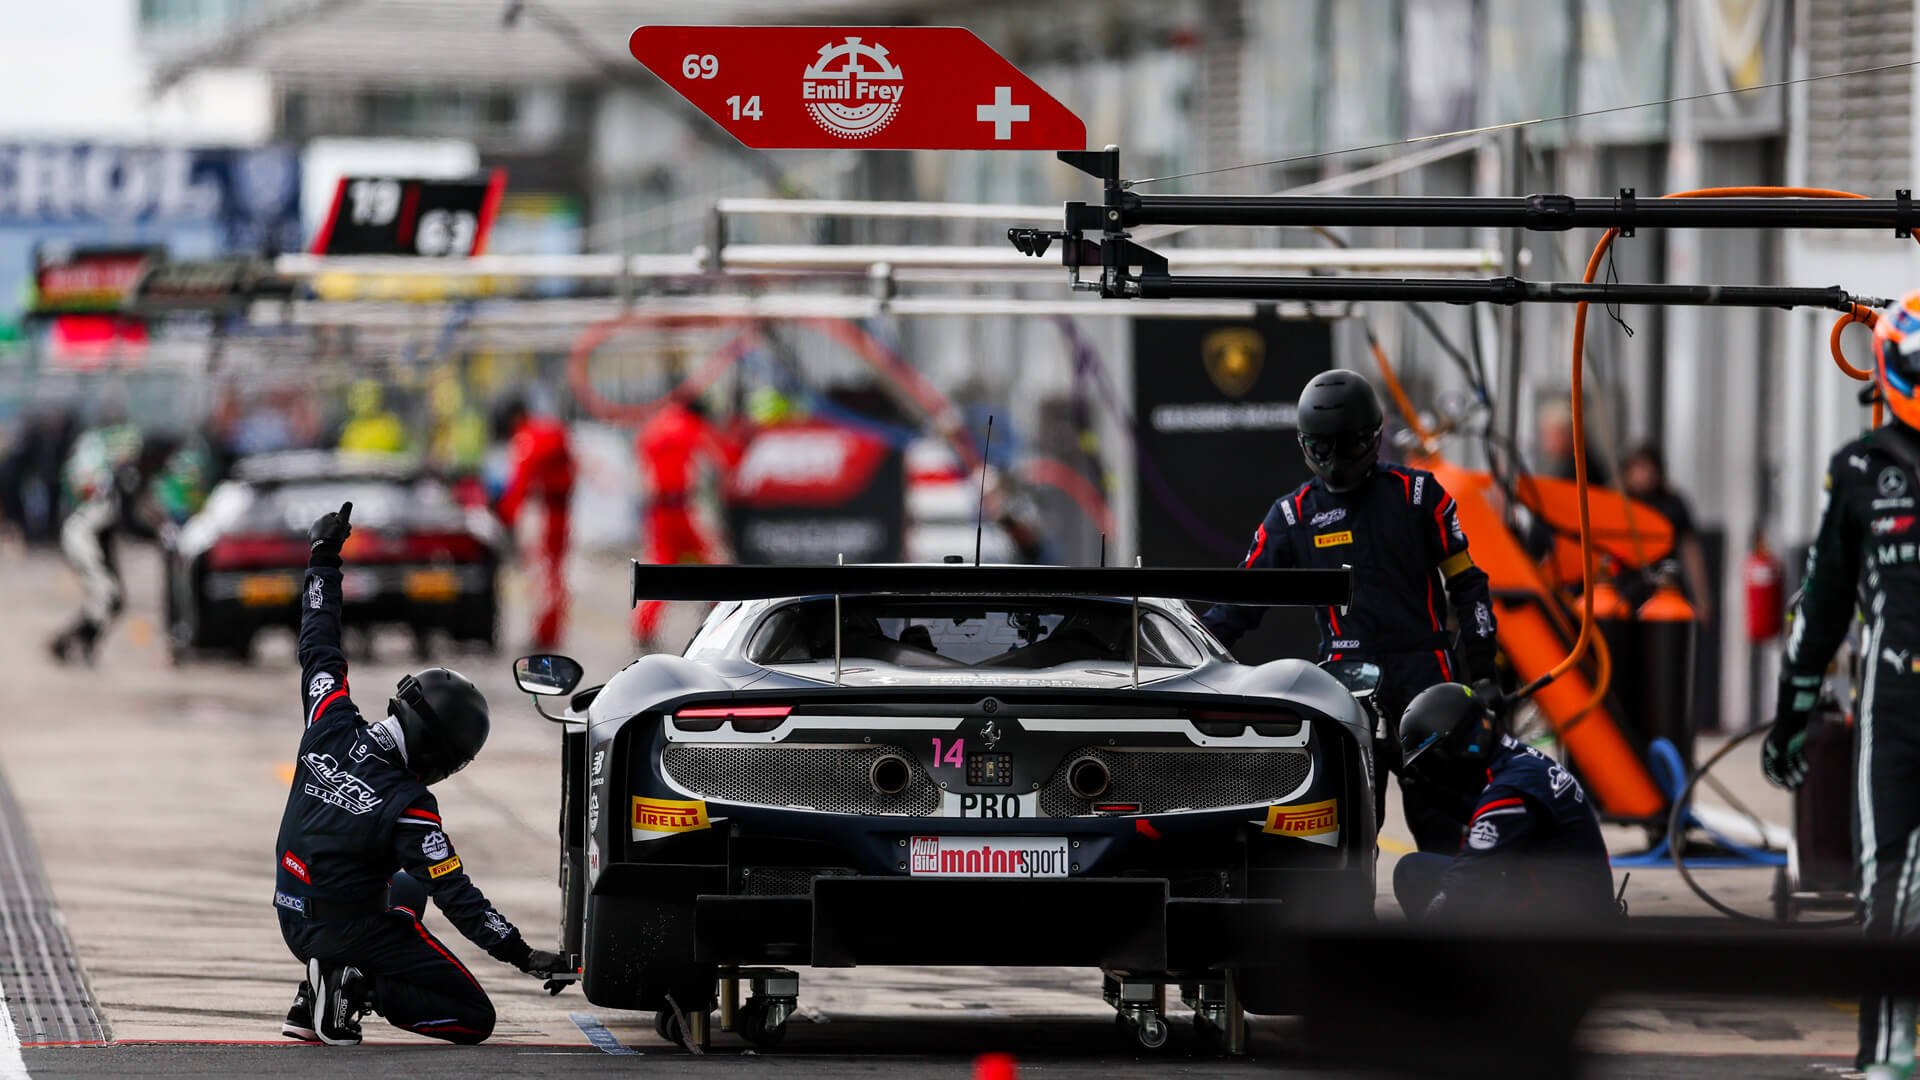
<point>1552,652</point>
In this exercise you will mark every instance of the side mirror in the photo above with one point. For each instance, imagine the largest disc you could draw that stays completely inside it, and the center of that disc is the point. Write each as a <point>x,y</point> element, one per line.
<point>547,674</point>
<point>1361,678</point>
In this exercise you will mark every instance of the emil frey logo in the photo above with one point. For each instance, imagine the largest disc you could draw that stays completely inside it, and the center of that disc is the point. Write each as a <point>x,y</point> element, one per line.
<point>853,90</point>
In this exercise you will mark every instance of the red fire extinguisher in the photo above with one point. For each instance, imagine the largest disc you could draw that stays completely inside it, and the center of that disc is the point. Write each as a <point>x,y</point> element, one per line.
<point>1765,580</point>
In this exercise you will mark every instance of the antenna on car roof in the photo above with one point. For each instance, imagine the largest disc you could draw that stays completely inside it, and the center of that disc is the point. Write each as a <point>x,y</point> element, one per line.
<point>980,512</point>
<point>1103,549</point>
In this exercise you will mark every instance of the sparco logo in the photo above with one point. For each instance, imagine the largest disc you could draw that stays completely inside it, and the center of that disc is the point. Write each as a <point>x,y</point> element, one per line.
<point>339,787</point>
<point>853,90</point>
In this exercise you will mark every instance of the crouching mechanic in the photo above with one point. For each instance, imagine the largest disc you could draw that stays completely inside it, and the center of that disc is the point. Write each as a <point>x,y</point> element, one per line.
<point>1533,850</point>
<point>1400,532</point>
<point>362,845</point>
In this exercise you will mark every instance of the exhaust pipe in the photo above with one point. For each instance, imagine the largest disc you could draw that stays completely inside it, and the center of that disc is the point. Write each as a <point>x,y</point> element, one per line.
<point>1088,777</point>
<point>890,774</point>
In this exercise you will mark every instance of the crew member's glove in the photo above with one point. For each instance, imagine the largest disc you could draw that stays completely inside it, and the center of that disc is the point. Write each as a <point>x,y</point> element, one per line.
<point>1488,693</point>
<point>328,535</point>
<point>1783,757</point>
<point>557,968</point>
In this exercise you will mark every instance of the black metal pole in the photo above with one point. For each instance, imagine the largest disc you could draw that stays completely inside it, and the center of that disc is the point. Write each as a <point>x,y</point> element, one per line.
<point>1506,290</point>
<point>1539,212</point>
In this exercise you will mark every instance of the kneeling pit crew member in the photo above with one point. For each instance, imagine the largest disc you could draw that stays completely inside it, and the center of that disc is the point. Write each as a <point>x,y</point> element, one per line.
<point>1533,850</point>
<point>362,845</point>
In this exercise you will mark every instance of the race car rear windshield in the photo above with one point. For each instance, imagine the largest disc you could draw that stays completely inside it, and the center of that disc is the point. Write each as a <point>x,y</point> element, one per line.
<point>970,634</point>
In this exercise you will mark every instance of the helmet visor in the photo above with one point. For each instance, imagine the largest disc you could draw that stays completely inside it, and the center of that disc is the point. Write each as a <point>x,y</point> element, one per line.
<point>1347,446</point>
<point>1413,744</point>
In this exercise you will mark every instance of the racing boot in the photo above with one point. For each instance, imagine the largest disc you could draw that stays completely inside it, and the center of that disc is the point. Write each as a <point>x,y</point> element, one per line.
<point>340,999</point>
<point>299,1021</point>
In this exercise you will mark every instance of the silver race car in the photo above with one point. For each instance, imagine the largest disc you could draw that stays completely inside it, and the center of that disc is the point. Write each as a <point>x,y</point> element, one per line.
<point>938,765</point>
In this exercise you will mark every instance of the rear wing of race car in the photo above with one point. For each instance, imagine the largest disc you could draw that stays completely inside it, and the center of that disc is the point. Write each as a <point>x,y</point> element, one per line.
<point>1254,588</point>
<point>1260,588</point>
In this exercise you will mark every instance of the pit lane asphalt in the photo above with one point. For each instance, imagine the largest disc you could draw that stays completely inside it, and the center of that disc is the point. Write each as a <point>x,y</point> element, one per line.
<point>153,793</point>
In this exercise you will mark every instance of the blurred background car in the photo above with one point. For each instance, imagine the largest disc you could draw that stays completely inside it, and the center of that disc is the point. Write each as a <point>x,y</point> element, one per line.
<point>420,560</point>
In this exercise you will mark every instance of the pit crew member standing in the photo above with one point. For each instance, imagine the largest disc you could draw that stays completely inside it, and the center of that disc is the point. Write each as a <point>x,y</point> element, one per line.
<point>105,482</point>
<point>1533,850</point>
<point>1867,555</point>
<point>670,446</point>
<point>540,466</point>
<point>1399,531</point>
<point>358,816</point>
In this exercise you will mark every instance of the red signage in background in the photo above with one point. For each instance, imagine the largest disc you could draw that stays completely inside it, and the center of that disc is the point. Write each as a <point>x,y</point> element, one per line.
<point>84,280</point>
<point>813,492</point>
<point>865,87</point>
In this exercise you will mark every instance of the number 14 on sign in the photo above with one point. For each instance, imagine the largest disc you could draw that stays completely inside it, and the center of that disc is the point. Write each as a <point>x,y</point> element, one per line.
<point>749,109</point>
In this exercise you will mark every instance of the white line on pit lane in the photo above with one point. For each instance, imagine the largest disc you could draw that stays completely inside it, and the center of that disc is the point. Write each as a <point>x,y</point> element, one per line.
<point>12,1065</point>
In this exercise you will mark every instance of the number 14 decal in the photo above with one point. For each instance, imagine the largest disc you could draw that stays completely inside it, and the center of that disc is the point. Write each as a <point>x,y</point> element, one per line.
<point>955,757</point>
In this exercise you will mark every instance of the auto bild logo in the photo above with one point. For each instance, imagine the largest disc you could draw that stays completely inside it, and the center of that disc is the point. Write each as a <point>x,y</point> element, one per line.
<point>990,856</point>
<point>853,90</point>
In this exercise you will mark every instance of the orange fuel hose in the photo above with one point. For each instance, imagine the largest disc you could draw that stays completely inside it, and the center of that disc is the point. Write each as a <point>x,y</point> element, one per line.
<point>1584,640</point>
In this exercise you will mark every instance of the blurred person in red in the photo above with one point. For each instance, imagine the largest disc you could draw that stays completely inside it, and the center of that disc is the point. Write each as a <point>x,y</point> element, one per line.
<point>539,467</point>
<point>670,447</point>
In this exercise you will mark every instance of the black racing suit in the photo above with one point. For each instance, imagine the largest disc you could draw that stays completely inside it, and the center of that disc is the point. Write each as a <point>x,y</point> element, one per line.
<point>1533,851</point>
<point>356,817</point>
<point>1867,555</point>
<point>1401,534</point>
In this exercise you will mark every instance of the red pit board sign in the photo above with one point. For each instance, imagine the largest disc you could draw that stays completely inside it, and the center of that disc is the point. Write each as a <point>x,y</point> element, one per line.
<point>860,87</point>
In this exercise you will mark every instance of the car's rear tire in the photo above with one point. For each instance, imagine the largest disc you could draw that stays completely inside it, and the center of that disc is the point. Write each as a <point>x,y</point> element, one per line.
<point>638,951</point>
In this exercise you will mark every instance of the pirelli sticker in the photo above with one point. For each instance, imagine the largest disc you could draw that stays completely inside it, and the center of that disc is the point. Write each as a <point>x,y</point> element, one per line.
<point>1333,539</point>
<point>1318,821</point>
<point>442,869</point>
<point>668,815</point>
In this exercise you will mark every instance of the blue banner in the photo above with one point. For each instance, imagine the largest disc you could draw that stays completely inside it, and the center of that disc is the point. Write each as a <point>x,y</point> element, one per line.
<point>249,197</point>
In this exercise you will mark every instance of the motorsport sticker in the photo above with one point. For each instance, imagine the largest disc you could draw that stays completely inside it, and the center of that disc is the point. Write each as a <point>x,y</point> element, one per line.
<point>1307,820</point>
<point>442,869</point>
<point>853,90</point>
<point>434,845</point>
<point>989,857</point>
<point>1334,539</point>
<point>668,815</point>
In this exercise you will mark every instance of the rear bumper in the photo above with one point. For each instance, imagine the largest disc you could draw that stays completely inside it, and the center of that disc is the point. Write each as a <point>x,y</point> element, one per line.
<point>1125,923</point>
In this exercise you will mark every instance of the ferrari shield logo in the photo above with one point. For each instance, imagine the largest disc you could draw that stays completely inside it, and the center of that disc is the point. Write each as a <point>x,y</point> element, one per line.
<point>1307,820</point>
<point>1234,357</point>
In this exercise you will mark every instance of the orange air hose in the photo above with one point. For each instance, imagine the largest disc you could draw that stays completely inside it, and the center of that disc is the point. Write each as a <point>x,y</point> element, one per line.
<point>1865,316</point>
<point>1584,640</point>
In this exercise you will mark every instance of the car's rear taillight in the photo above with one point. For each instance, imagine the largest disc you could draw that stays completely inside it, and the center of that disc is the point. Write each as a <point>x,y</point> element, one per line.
<point>244,552</point>
<point>748,719</point>
<point>1227,724</point>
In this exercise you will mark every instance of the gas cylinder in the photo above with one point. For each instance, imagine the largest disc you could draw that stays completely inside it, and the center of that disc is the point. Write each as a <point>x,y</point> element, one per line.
<point>1764,580</point>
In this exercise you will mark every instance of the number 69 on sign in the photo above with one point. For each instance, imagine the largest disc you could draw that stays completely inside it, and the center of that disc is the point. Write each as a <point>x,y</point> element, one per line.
<point>700,66</point>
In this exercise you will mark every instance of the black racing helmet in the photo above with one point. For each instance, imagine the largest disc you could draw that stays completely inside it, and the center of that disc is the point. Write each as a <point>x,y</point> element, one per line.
<point>1339,422</point>
<point>444,717</point>
<point>1446,736</point>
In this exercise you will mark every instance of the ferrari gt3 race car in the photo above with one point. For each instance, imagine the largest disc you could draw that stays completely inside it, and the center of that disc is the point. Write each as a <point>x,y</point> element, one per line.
<point>957,765</point>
